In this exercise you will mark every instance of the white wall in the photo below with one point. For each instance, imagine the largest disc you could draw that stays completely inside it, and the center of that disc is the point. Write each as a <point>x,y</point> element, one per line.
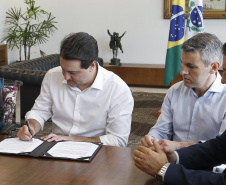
<point>146,35</point>
<point>4,6</point>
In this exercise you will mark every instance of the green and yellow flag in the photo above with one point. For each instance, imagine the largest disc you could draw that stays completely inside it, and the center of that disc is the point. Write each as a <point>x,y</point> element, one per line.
<point>176,39</point>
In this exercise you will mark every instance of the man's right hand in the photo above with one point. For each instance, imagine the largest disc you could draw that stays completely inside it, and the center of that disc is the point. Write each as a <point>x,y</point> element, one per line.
<point>150,160</point>
<point>147,141</point>
<point>24,133</point>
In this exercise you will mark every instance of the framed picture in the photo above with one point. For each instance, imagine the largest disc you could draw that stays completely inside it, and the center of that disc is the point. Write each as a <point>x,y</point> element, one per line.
<point>212,9</point>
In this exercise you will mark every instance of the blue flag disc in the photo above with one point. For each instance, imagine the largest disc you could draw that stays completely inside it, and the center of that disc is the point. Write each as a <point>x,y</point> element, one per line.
<point>196,18</point>
<point>177,23</point>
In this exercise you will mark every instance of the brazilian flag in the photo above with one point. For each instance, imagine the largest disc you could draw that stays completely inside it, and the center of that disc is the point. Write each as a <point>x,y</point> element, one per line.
<point>176,39</point>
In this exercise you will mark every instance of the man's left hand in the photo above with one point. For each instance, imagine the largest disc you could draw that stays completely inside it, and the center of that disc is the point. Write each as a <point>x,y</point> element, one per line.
<point>53,137</point>
<point>174,144</point>
<point>149,160</point>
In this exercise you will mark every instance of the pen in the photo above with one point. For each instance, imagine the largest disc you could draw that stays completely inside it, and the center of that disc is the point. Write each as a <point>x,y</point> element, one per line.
<point>28,125</point>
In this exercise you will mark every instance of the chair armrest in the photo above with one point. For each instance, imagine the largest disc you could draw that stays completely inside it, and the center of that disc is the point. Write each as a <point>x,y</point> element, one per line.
<point>7,129</point>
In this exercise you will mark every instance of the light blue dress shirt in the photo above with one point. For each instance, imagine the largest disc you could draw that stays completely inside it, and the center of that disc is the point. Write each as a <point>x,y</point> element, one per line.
<point>187,117</point>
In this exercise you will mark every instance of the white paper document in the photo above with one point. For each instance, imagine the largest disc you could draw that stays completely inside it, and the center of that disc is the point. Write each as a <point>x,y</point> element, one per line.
<point>15,145</point>
<point>73,150</point>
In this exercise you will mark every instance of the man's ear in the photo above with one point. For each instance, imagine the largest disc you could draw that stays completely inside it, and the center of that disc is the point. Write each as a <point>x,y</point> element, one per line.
<point>93,65</point>
<point>215,66</point>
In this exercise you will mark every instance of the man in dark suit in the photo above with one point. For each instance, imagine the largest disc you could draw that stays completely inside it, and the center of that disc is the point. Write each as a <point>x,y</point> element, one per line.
<point>183,167</point>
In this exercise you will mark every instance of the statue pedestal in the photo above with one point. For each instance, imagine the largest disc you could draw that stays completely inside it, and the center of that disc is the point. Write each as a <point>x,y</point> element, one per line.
<point>115,61</point>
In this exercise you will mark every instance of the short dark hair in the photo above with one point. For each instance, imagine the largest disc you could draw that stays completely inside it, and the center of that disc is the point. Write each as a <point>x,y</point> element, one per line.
<point>224,48</point>
<point>79,46</point>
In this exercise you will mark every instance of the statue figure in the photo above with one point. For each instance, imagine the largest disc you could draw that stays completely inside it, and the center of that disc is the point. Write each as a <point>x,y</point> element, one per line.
<point>114,44</point>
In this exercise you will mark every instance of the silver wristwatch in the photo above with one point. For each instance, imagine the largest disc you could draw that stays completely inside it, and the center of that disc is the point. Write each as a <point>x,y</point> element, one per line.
<point>161,173</point>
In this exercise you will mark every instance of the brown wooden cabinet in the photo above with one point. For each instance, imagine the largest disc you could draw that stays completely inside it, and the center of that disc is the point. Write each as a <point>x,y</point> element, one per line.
<point>139,74</point>
<point>147,75</point>
<point>3,55</point>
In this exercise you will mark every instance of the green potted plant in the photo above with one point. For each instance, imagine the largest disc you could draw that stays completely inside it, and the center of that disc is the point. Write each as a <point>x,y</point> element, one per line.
<point>27,29</point>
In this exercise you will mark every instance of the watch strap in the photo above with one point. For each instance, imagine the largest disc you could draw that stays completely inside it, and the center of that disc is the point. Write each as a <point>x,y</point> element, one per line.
<point>161,173</point>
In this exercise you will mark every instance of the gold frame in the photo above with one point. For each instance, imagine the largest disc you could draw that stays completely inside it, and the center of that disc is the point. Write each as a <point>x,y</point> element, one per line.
<point>206,14</point>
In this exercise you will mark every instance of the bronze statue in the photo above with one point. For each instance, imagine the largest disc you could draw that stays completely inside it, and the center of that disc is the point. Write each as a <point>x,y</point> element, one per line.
<point>114,44</point>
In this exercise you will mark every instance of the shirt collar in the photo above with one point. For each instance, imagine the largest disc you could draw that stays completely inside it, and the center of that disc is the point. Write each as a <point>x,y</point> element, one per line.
<point>217,86</point>
<point>98,82</point>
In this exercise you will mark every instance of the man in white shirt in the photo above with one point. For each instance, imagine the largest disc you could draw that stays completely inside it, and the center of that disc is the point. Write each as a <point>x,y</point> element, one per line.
<point>85,101</point>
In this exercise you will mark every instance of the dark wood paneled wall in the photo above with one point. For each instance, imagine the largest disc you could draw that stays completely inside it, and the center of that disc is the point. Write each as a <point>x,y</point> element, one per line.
<point>141,74</point>
<point>147,75</point>
<point>3,55</point>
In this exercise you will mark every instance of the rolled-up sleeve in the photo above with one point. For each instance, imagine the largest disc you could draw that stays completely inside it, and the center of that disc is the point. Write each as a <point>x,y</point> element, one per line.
<point>41,111</point>
<point>119,119</point>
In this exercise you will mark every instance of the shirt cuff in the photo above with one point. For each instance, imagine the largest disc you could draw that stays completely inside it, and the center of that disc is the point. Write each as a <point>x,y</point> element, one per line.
<point>32,115</point>
<point>108,140</point>
<point>177,161</point>
<point>202,141</point>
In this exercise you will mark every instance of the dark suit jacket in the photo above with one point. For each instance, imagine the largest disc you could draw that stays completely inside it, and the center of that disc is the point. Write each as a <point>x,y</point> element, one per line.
<point>196,157</point>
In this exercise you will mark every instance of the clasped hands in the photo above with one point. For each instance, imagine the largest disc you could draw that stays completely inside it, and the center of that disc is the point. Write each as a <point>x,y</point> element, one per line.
<point>150,155</point>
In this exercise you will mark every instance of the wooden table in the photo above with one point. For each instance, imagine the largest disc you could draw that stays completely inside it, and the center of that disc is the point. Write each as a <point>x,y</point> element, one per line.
<point>110,166</point>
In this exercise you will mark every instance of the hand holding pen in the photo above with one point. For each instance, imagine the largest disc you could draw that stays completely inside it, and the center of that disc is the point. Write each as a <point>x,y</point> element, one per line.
<point>29,127</point>
<point>26,132</point>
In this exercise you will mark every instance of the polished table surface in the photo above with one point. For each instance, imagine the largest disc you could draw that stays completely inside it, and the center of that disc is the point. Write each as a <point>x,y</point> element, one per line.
<point>111,166</point>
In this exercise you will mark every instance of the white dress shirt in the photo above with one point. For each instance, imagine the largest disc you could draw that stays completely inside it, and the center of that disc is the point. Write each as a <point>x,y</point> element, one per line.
<point>104,109</point>
<point>187,117</point>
